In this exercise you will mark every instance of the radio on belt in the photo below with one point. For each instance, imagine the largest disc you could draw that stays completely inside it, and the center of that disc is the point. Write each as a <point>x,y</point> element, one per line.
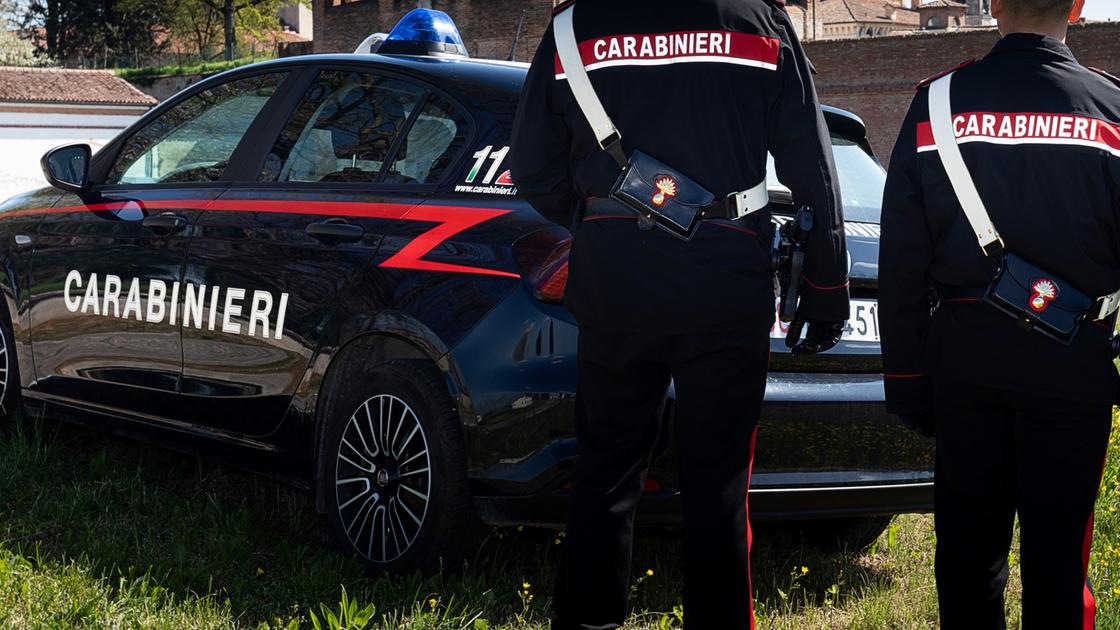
<point>425,32</point>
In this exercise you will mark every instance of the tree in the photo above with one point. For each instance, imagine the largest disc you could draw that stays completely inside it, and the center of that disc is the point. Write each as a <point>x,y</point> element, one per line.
<point>47,21</point>
<point>16,51</point>
<point>198,25</point>
<point>127,30</point>
<point>9,14</point>
<point>232,12</point>
<point>68,29</point>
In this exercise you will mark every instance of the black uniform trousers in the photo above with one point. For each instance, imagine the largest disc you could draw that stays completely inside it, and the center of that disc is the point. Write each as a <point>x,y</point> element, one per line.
<point>1000,453</point>
<point>719,380</point>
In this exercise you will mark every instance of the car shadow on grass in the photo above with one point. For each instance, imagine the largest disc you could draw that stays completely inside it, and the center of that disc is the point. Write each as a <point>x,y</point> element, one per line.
<point>197,529</point>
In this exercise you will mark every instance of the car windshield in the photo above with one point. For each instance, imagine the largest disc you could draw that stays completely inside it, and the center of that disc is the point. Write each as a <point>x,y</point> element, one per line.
<point>861,181</point>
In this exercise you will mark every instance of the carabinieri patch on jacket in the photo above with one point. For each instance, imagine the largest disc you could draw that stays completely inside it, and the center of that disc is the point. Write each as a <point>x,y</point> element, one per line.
<point>1028,128</point>
<point>660,49</point>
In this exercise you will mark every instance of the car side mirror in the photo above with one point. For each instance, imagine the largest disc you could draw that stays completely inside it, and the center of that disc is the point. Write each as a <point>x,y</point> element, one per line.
<point>67,167</point>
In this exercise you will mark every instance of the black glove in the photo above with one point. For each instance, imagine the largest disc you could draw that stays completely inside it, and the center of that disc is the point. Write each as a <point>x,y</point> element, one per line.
<point>921,421</point>
<point>822,337</point>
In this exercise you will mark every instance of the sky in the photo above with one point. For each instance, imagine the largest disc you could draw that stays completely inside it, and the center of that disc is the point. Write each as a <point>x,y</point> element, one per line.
<point>1102,10</point>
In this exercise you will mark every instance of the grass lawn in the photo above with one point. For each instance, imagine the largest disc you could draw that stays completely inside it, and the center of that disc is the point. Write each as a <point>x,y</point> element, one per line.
<point>97,532</point>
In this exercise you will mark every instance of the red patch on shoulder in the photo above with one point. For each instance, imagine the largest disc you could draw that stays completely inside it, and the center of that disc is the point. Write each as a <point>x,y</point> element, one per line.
<point>935,77</point>
<point>1115,79</point>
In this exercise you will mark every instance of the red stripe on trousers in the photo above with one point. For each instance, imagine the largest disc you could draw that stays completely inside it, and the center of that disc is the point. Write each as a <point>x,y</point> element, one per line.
<point>1089,621</point>
<point>1089,618</point>
<point>750,538</point>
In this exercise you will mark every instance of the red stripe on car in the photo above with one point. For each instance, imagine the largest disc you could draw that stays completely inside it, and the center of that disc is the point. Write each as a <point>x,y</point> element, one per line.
<point>450,220</point>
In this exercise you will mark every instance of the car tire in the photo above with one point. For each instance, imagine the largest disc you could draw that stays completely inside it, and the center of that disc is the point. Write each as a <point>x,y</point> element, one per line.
<point>393,470</point>
<point>851,534</point>
<point>9,371</point>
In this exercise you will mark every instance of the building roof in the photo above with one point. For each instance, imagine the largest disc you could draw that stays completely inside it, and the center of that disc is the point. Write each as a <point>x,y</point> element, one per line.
<point>867,11</point>
<point>66,86</point>
<point>942,4</point>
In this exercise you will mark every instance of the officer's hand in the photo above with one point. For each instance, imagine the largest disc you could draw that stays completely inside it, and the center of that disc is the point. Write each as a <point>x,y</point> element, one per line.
<point>822,336</point>
<point>921,421</point>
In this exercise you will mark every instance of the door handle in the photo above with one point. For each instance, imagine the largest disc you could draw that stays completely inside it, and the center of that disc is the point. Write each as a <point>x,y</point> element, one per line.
<point>336,231</point>
<point>167,223</point>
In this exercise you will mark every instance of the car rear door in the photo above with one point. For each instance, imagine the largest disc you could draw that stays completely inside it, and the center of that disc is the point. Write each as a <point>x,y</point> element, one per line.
<point>357,150</point>
<point>106,279</point>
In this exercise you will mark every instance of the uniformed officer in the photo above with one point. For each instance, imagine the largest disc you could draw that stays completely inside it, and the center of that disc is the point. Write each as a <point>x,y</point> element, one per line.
<point>1004,199</point>
<point>705,88</point>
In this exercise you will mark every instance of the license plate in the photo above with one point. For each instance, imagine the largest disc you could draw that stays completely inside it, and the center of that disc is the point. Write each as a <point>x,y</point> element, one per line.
<point>863,324</point>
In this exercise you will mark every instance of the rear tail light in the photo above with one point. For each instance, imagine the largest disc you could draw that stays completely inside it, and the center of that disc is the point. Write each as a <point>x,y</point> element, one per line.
<point>552,279</point>
<point>543,257</point>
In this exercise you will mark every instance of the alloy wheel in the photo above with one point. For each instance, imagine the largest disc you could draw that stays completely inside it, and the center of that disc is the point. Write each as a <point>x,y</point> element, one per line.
<point>383,478</point>
<point>3,372</point>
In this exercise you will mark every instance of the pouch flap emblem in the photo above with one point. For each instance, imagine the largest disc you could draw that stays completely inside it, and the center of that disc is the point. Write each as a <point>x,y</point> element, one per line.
<point>666,189</point>
<point>1043,292</point>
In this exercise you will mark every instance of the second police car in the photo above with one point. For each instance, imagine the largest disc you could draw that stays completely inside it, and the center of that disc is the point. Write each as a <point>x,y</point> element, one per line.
<point>319,269</point>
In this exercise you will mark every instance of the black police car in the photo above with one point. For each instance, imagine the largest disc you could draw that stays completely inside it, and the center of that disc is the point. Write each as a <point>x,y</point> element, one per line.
<point>319,269</point>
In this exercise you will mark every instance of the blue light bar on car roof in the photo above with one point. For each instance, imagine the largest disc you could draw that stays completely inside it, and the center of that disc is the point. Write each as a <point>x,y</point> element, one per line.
<point>425,32</point>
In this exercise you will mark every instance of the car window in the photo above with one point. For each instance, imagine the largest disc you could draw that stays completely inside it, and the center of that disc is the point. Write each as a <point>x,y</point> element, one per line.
<point>193,141</point>
<point>862,180</point>
<point>343,129</point>
<point>432,144</point>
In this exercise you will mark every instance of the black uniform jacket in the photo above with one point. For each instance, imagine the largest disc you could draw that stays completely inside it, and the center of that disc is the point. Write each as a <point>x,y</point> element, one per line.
<point>708,87</point>
<point>1041,136</point>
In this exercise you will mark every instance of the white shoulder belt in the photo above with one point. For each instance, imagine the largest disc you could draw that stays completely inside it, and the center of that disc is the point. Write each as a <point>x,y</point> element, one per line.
<point>944,135</point>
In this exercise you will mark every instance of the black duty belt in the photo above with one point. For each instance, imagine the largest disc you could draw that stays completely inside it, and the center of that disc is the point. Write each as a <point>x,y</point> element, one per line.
<point>605,208</point>
<point>962,294</point>
<point>978,294</point>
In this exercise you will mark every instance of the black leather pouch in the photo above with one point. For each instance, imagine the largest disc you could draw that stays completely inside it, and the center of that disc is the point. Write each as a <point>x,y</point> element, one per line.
<point>1038,299</point>
<point>662,195</point>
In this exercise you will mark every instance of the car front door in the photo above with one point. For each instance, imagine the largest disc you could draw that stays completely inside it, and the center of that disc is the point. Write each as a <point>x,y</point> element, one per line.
<point>293,243</point>
<point>107,278</point>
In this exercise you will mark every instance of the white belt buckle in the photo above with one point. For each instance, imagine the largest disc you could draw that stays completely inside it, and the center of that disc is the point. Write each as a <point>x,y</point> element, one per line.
<point>1109,304</point>
<point>748,202</point>
<point>741,208</point>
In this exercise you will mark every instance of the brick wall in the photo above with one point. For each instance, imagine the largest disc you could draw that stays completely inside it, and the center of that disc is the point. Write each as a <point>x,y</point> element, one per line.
<point>487,26</point>
<point>875,78</point>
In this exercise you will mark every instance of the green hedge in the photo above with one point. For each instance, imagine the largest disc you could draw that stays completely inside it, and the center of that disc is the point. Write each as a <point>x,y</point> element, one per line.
<point>148,75</point>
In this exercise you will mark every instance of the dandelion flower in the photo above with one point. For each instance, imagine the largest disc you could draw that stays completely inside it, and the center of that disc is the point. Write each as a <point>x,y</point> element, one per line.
<point>649,572</point>
<point>804,570</point>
